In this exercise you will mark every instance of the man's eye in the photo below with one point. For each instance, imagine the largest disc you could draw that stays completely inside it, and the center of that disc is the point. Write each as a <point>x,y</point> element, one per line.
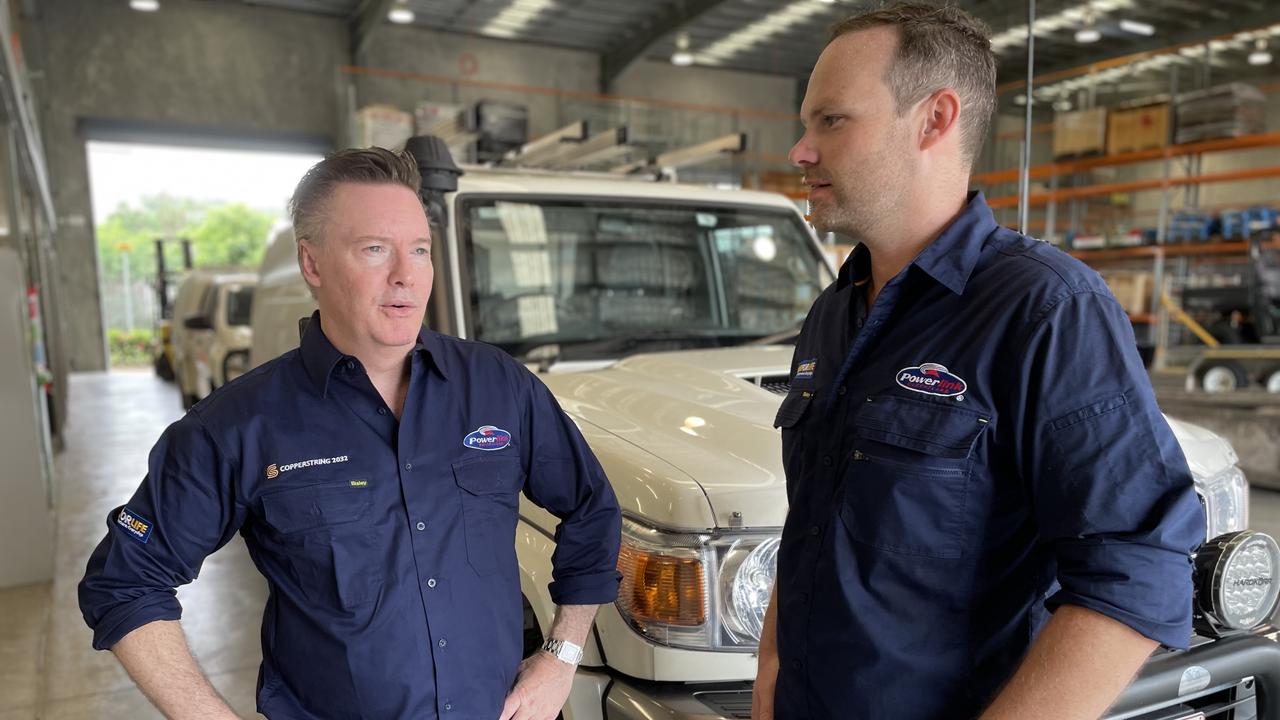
<point>373,249</point>
<point>831,120</point>
<point>423,251</point>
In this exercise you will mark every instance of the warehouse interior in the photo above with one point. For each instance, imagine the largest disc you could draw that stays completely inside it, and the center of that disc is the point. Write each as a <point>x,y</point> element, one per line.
<point>1148,148</point>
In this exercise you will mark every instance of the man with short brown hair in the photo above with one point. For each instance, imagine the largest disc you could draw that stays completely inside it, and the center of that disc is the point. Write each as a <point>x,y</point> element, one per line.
<point>375,474</point>
<point>970,439</point>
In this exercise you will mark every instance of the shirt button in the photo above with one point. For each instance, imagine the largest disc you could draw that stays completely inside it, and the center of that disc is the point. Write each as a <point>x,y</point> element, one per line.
<point>443,642</point>
<point>447,706</point>
<point>431,583</point>
<point>804,597</point>
<point>408,466</point>
<point>382,411</point>
<point>421,526</point>
<point>826,460</point>
<point>351,365</point>
<point>842,391</point>
<point>797,664</point>
<point>815,530</point>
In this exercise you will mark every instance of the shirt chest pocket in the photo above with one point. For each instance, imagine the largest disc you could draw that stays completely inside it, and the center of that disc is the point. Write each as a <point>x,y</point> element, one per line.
<point>907,484</point>
<point>329,543</point>
<point>489,489</point>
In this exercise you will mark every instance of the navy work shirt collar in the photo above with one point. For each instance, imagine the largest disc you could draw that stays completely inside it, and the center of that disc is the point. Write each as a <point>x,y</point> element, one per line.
<point>949,259</point>
<point>320,357</point>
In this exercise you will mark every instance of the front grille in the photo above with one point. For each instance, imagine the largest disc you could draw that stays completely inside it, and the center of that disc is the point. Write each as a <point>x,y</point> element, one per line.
<point>730,703</point>
<point>776,384</point>
<point>1237,702</point>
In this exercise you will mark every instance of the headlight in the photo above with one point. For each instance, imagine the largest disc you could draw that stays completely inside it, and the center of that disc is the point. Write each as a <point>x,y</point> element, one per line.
<point>1226,502</point>
<point>705,591</point>
<point>234,365</point>
<point>746,581</point>
<point>1236,582</point>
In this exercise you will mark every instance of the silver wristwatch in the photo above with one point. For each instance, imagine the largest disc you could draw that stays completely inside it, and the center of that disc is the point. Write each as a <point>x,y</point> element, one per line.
<point>564,651</point>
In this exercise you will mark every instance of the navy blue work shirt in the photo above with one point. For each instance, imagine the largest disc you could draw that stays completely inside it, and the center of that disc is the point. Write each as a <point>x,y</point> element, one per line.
<point>979,448</point>
<point>388,547</point>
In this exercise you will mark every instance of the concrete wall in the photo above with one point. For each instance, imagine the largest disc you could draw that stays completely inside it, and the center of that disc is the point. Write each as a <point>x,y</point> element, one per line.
<point>192,63</point>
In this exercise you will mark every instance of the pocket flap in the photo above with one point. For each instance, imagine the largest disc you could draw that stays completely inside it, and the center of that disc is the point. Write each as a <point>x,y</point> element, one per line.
<point>793,408</point>
<point>490,475</point>
<point>305,508</point>
<point>932,428</point>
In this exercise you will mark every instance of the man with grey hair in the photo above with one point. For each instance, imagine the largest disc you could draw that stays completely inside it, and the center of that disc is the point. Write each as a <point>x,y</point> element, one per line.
<point>970,439</point>
<point>375,474</point>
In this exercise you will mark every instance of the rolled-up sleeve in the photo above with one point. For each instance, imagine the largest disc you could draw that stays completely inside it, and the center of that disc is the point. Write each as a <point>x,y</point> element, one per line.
<point>184,510</point>
<point>565,478</point>
<point>1112,493</point>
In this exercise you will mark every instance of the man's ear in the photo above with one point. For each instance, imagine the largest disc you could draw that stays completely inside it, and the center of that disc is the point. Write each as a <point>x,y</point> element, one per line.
<point>940,118</point>
<point>309,261</point>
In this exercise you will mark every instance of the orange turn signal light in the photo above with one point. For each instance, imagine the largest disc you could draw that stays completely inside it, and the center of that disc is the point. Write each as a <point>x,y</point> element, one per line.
<point>661,588</point>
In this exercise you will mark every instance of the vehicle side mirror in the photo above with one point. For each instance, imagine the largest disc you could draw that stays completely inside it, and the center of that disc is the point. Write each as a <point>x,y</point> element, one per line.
<point>197,322</point>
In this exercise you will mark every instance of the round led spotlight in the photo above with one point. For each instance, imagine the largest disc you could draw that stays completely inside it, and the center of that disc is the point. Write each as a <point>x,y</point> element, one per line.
<point>1237,581</point>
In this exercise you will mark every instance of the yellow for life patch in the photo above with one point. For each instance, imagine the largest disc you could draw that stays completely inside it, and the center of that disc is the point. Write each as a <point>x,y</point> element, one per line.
<point>359,483</point>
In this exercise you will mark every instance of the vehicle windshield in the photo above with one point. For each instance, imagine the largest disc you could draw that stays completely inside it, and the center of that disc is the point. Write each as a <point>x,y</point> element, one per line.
<point>604,278</point>
<point>239,305</point>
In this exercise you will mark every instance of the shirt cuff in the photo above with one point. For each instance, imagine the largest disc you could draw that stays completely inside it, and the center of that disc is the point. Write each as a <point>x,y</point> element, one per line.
<point>126,618</point>
<point>1147,588</point>
<point>594,589</point>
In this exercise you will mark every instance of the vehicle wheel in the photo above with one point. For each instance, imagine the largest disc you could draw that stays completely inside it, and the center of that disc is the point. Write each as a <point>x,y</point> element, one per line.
<point>1223,376</point>
<point>1273,381</point>
<point>163,369</point>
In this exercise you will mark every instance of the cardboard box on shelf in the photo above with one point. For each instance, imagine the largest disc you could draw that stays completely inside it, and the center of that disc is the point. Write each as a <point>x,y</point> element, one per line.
<point>384,126</point>
<point>1138,128</point>
<point>1132,290</point>
<point>1224,111</point>
<point>1082,132</point>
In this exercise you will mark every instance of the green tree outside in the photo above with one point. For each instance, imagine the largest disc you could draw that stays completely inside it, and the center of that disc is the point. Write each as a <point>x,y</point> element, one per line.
<point>222,236</point>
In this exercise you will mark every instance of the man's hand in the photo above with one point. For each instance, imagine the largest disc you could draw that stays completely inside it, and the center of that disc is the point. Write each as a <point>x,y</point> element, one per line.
<point>762,691</point>
<point>542,687</point>
<point>767,664</point>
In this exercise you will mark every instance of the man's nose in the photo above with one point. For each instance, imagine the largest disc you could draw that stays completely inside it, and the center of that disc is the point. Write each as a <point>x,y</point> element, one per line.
<point>401,273</point>
<point>802,153</point>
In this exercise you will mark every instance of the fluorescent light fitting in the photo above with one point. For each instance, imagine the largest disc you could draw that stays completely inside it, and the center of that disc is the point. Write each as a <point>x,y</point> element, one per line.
<point>1260,54</point>
<point>145,5</point>
<point>775,23</point>
<point>683,58</point>
<point>517,16</point>
<point>1137,28</point>
<point>400,15</point>
<point>1086,35</point>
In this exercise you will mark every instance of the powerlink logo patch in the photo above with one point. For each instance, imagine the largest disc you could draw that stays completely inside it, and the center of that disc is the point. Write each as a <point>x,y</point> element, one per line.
<point>931,379</point>
<point>137,527</point>
<point>487,437</point>
<point>274,471</point>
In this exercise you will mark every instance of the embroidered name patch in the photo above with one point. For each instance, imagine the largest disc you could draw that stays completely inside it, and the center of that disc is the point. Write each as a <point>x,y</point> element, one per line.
<point>804,370</point>
<point>138,527</point>
<point>931,379</point>
<point>487,437</point>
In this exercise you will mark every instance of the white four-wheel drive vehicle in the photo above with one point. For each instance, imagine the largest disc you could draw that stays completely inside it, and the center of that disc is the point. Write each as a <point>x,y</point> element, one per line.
<point>642,305</point>
<point>211,335</point>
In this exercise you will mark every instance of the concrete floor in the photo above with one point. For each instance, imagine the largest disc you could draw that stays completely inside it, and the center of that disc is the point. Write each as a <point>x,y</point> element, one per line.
<point>48,669</point>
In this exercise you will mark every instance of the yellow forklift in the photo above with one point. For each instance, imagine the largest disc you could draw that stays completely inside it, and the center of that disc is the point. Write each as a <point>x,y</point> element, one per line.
<point>167,281</point>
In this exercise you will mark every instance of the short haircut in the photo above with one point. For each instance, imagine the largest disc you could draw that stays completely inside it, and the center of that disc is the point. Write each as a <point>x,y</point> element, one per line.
<point>366,166</point>
<point>938,47</point>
